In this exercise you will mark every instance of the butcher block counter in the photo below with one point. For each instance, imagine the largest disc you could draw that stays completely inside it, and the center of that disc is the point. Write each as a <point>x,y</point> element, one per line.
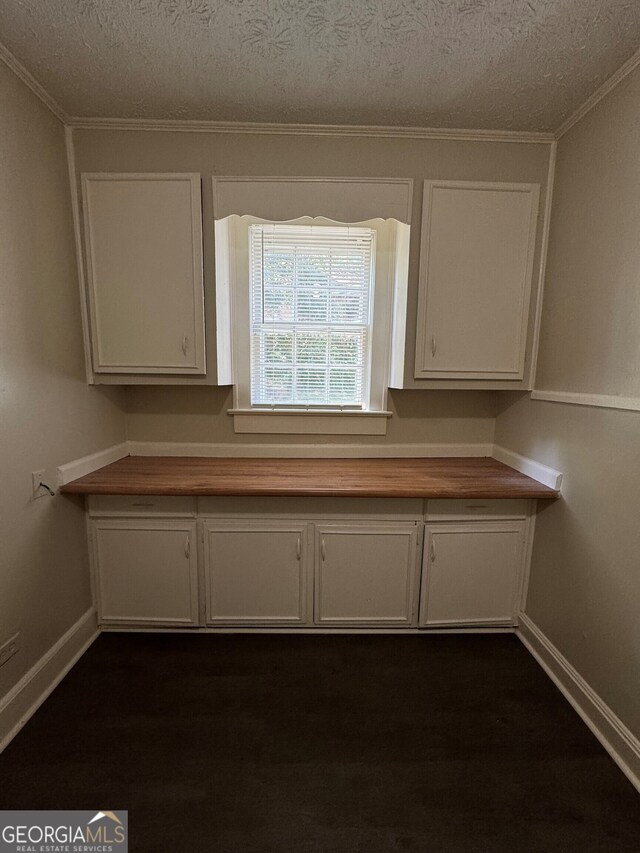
<point>442,477</point>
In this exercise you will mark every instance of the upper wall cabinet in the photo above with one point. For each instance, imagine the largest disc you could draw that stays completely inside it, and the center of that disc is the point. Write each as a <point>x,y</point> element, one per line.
<point>475,279</point>
<point>143,241</point>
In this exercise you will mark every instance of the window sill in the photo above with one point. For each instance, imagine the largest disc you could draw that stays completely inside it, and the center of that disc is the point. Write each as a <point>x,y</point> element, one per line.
<point>309,422</point>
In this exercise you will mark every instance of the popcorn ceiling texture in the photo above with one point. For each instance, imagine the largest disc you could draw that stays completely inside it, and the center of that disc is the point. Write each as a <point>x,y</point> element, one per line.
<point>495,64</point>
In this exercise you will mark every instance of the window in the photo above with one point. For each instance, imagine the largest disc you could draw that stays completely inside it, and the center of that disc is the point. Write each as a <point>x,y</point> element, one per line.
<point>310,322</point>
<point>311,315</point>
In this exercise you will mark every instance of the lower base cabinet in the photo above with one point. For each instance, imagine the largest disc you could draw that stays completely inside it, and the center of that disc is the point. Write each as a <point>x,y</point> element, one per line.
<point>365,574</point>
<point>147,571</point>
<point>166,563</point>
<point>256,573</point>
<point>471,574</point>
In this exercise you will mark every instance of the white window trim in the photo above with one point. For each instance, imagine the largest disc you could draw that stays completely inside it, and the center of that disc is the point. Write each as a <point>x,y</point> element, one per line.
<point>285,198</point>
<point>308,422</point>
<point>372,421</point>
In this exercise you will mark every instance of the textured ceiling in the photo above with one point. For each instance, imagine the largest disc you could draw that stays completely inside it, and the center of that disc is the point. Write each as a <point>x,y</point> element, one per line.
<point>495,64</point>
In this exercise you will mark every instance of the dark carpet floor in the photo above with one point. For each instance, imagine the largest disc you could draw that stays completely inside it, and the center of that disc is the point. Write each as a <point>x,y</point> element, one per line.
<point>323,744</point>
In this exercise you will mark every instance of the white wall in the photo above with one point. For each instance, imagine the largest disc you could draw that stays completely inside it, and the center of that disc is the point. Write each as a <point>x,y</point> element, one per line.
<point>585,577</point>
<point>48,415</point>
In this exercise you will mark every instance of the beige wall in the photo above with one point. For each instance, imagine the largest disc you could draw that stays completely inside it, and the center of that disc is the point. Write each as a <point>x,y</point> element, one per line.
<point>419,417</point>
<point>48,415</point>
<point>196,414</point>
<point>585,575</point>
<point>590,340</point>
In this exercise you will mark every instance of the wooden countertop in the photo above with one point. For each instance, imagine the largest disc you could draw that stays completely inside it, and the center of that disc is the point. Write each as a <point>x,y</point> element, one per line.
<point>442,477</point>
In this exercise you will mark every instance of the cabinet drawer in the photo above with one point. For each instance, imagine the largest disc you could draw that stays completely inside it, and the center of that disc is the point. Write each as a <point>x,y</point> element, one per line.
<point>465,508</point>
<point>176,506</point>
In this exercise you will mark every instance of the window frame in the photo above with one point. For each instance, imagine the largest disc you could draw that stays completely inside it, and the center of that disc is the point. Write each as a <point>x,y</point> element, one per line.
<point>233,232</point>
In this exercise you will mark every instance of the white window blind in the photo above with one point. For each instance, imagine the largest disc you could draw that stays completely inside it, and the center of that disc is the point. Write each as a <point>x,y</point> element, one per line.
<point>311,305</point>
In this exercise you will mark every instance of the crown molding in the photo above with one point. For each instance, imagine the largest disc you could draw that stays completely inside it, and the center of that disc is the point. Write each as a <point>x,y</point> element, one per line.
<point>29,80</point>
<point>264,128</point>
<point>617,77</point>
<point>275,128</point>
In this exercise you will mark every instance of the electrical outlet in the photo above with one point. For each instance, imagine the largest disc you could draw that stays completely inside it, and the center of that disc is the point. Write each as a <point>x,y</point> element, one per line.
<point>37,490</point>
<point>9,649</point>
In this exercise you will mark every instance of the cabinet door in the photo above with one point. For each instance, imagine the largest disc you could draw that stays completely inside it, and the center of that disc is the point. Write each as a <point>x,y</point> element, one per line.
<point>256,572</point>
<point>365,574</point>
<point>146,571</point>
<point>476,266</point>
<point>471,573</point>
<point>143,240</point>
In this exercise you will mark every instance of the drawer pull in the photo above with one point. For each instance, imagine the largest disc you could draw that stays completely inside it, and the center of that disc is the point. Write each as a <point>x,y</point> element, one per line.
<point>323,552</point>
<point>143,504</point>
<point>185,344</point>
<point>187,547</point>
<point>476,506</point>
<point>433,346</point>
<point>299,549</point>
<point>433,551</point>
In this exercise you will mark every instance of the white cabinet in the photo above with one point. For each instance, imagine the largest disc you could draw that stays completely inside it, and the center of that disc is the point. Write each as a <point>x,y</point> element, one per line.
<point>476,266</point>
<point>256,572</point>
<point>472,573</point>
<point>143,246</point>
<point>181,561</point>
<point>365,573</point>
<point>146,571</point>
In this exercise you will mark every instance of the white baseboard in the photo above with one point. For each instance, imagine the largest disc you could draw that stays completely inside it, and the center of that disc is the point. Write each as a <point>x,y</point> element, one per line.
<point>542,473</point>
<point>23,700</point>
<point>598,401</point>
<point>266,629</point>
<point>305,451</point>
<point>620,743</point>
<point>86,464</point>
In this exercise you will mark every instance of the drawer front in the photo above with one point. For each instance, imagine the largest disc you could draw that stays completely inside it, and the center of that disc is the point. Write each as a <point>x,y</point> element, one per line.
<point>451,509</point>
<point>311,508</point>
<point>175,506</point>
